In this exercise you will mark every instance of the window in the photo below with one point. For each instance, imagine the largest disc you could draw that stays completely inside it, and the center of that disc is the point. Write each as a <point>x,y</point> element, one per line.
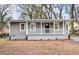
<point>22,26</point>
<point>56,25</point>
<point>33,26</point>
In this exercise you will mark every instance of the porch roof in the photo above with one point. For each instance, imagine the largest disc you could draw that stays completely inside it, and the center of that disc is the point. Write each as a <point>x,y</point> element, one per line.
<point>44,20</point>
<point>17,20</point>
<point>38,20</point>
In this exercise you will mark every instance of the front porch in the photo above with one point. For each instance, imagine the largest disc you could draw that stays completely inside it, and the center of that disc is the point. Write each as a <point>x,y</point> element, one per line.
<point>46,30</point>
<point>39,29</point>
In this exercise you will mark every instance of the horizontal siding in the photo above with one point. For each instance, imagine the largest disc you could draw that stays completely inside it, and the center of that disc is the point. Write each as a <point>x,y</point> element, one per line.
<point>15,31</point>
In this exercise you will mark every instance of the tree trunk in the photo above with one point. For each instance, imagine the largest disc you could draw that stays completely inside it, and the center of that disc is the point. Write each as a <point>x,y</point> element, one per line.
<point>1,32</point>
<point>72,27</point>
<point>61,9</point>
<point>72,17</point>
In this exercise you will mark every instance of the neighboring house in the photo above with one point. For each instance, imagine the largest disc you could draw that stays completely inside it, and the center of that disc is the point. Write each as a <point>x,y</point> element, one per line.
<point>5,30</point>
<point>37,29</point>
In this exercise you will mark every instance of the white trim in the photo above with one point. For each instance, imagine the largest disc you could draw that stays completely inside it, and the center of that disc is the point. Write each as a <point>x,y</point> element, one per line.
<point>41,28</point>
<point>63,28</point>
<point>26,28</point>
<point>20,26</point>
<point>31,28</point>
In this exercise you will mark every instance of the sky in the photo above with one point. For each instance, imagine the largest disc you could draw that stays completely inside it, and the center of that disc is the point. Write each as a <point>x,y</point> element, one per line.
<point>15,13</point>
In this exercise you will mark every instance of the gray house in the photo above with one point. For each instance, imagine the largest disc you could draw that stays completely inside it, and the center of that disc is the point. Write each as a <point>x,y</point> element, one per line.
<point>37,29</point>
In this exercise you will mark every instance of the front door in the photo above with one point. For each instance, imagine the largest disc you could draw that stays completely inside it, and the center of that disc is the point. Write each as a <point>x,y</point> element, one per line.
<point>46,27</point>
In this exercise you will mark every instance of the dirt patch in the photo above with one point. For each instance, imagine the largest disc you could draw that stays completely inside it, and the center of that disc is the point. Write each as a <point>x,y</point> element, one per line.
<point>55,47</point>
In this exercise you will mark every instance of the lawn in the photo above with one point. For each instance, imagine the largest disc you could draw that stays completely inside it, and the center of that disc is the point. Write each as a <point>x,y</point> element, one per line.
<point>54,47</point>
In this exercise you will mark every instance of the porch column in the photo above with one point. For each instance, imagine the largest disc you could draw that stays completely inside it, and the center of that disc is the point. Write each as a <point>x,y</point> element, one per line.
<point>41,28</point>
<point>54,28</point>
<point>26,28</point>
<point>63,27</point>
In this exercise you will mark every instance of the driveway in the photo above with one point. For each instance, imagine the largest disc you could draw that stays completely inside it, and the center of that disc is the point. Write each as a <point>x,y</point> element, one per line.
<point>53,47</point>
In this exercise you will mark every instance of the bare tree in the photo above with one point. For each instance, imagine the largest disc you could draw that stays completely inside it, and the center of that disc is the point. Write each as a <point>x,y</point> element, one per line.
<point>45,11</point>
<point>27,10</point>
<point>4,16</point>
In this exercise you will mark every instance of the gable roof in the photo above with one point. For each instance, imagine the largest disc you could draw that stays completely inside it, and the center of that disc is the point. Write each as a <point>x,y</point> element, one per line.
<point>44,20</point>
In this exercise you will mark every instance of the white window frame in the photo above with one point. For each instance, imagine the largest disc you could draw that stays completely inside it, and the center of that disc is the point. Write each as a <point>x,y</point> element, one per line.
<point>33,25</point>
<point>20,27</point>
